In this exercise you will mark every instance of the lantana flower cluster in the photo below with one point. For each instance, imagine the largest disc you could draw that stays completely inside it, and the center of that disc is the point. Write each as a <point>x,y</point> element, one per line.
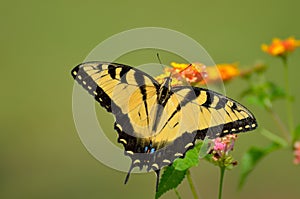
<point>199,74</point>
<point>280,47</point>
<point>222,146</point>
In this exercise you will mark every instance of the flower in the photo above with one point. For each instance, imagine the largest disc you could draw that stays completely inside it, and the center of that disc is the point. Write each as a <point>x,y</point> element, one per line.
<point>297,152</point>
<point>197,73</point>
<point>175,81</point>
<point>220,151</point>
<point>281,47</point>
<point>222,72</point>
<point>192,73</point>
<point>219,145</point>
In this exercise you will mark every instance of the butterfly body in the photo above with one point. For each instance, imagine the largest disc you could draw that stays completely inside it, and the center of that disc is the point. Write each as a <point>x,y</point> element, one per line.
<point>157,123</point>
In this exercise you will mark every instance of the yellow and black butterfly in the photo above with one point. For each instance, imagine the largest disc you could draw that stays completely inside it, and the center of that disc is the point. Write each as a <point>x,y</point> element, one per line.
<point>157,123</point>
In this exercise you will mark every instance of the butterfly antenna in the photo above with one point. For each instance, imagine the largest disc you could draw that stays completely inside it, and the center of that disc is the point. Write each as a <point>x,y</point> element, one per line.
<point>159,60</point>
<point>157,54</point>
<point>185,68</point>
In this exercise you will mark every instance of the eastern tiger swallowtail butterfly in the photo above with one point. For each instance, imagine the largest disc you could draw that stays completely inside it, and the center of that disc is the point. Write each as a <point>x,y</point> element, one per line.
<point>157,123</point>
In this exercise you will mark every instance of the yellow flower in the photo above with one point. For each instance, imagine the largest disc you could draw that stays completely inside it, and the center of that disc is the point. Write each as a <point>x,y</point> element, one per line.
<point>281,47</point>
<point>166,74</point>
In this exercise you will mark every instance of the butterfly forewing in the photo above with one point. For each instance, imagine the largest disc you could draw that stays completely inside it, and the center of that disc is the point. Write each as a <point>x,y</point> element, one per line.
<point>217,114</point>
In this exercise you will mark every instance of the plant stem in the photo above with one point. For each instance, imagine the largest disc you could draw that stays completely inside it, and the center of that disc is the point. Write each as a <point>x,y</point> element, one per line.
<point>288,100</point>
<point>222,171</point>
<point>279,123</point>
<point>192,186</point>
<point>177,194</point>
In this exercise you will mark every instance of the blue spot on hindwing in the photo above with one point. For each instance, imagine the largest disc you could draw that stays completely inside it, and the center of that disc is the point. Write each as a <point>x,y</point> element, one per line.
<point>152,150</point>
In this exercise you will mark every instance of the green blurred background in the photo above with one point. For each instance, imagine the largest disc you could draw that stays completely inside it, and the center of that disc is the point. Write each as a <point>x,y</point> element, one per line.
<point>41,41</point>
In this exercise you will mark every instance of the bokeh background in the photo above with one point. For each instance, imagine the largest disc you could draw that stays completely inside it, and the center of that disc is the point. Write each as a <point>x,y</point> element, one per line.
<point>41,41</point>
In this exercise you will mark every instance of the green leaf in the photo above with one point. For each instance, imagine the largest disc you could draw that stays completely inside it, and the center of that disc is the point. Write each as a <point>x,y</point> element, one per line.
<point>275,91</point>
<point>170,179</point>
<point>251,158</point>
<point>274,138</point>
<point>255,100</point>
<point>191,159</point>
<point>173,175</point>
<point>263,94</point>
<point>296,133</point>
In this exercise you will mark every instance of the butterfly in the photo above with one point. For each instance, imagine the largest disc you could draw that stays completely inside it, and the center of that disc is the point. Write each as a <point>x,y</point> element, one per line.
<point>158,123</point>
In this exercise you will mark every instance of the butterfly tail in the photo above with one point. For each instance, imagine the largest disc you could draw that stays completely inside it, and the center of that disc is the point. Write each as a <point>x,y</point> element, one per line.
<point>128,174</point>
<point>157,178</point>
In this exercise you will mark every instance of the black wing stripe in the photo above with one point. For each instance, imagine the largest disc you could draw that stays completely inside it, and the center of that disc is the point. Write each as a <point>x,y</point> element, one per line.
<point>123,72</point>
<point>141,82</point>
<point>172,115</point>
<point>112,71</point>
<point>209,99</point>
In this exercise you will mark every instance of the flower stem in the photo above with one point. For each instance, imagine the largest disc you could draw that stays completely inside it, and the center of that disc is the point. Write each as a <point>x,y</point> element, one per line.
<point>279,123</point>
<point>177,194</point>
<point>222,171</point>
<point>288,99</point>
<point>192,186</point>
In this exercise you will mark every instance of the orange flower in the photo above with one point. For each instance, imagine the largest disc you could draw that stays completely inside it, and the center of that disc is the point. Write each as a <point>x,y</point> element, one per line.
<point>281,47</point>
<point>225,71</point>
<point>192,73</point>
<point>197,73</point>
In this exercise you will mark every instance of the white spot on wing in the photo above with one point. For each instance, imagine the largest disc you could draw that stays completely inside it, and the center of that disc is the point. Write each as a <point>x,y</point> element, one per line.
<point>166,161</point>
<point>178,154</point>
<point>188,145</point>
<point>155,165</point>
<point>136,161</point>
<point>124,141</point>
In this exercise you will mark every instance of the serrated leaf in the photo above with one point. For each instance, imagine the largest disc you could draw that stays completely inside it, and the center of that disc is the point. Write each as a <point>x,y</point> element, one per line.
<point>296,133</point>
<point>274,138</point>
<point>191,159</point>
<point>251,158</point>
<point>170,179</point>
